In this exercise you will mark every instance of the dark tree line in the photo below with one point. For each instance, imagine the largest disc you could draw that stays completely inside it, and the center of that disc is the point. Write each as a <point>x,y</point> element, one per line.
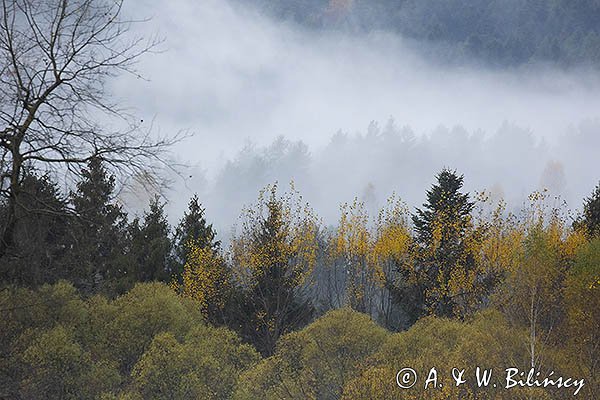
<point>87,238</point>
<point>502,33</point>
<point>55,60</point>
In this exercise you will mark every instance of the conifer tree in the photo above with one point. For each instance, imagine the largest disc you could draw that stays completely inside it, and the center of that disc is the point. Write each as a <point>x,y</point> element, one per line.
<point>98,256</point>
<point>151,245</point>
<point>274,256</point>
<point>192,231</point>
<point>444,264</point>
<point>591,213</point>
<point>41,233</point>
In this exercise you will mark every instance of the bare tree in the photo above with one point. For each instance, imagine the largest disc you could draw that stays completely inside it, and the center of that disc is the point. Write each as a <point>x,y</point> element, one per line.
<point>56,57</point>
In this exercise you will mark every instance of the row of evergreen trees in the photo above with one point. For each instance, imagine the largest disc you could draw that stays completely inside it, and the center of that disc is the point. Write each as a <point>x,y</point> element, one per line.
<point>87,238</point>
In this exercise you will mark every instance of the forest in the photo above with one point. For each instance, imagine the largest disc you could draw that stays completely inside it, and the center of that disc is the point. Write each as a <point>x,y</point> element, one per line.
<point>98,305</point>
<point>496,33</point>
<point>380,299</point>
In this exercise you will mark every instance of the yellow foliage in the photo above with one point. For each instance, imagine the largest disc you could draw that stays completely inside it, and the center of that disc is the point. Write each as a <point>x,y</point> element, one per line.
<point>366,256</point>
<point>291,248</point>
<point>205,278</point>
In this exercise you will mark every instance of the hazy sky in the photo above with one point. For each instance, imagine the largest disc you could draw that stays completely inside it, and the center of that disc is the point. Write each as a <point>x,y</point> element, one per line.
<point>232,76</point>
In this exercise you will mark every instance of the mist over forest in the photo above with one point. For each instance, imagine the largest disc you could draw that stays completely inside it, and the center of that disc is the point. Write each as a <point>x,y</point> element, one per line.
<point>299,199</point>
<point>349,99</point>
<point>389,160</point>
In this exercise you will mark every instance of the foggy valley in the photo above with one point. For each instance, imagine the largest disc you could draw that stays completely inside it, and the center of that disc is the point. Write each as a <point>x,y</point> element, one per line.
<point>299,199</point>
<point>345,113</point>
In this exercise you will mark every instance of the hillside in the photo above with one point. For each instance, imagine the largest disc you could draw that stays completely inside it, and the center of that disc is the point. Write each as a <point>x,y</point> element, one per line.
<point>502,33</point>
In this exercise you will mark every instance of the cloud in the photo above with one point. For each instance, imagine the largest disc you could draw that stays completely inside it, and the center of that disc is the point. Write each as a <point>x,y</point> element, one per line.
<point>232,75</point>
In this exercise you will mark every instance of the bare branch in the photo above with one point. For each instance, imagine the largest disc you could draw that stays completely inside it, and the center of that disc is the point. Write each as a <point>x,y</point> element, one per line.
<point>56,57</point>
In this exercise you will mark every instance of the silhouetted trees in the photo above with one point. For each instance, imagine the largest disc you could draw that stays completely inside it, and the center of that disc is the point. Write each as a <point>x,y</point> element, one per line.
<point>99,251</point>
<point>484,30</point>
<point>55,60</point>
<point>151,245</point>
<point>43,236</point>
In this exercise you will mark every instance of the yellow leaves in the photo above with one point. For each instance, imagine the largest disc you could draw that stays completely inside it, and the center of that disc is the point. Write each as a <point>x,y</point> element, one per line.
<point>353,237</point>
<point>392,242</point>
<point>367,254</point>
<point>204,278</point>
<point>510,245</point>
<point>265,321</point>
<point>277,232</point>
<point>574,241</point>
<point>392,235</point>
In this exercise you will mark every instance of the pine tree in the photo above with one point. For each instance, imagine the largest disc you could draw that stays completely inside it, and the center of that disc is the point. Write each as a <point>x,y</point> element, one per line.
<point>192,231</point>
<point>151,245</point>
<point>98,257</point>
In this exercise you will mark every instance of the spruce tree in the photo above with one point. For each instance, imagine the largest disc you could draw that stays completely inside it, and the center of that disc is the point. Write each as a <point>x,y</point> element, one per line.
<point>442,227</point>
<point>274,256</point>
<point>192,230</point>
<point>591,214</point>
<point>98,257</point>
<point>151,245</point>
<point>41,233</point>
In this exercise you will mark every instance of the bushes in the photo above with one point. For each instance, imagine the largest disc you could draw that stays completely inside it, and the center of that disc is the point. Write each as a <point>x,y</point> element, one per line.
<point>148,343</point>
<point>315,362</point>
<point>205,365</point>
<point>151,344</point>
<point>444,344</point>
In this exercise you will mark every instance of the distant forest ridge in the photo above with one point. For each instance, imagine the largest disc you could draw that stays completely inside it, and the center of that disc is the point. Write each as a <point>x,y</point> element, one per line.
<point>493,32</point>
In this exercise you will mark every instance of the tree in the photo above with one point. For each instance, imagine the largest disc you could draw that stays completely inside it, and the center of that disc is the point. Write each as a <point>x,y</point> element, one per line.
<point>98,254</point>
<point>42,231</point>
<point>591,214</point>
<point>193,231</point>
<point>148,343</point>
<point>55,60</point>
<point>128,325</point>
<point>43,350</point>
<point>151,245</point>
<point>445,260</point>
<point>531,293</point>
<point>487,341</point>
<point>351,273</point>
<point>274,255</point>
<point>49,357</point>
<point>391,254</point>
<point>207,280</point>
<point>363,261</point>
<point>205,365</point>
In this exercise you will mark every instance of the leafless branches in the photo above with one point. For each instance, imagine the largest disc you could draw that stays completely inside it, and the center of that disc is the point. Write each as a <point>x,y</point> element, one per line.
<point>56,57</point>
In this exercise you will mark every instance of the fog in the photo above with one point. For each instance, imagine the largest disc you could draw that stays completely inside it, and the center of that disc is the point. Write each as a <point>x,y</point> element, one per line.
<point>349,115</point>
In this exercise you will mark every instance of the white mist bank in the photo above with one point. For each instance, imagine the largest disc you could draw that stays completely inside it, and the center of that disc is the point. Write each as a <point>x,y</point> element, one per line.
<point>232,76</point>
